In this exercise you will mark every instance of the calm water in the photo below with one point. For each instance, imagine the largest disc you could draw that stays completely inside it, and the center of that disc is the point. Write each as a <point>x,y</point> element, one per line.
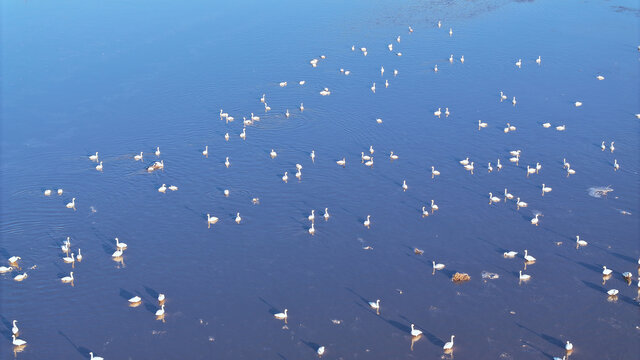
<point>120,78</point>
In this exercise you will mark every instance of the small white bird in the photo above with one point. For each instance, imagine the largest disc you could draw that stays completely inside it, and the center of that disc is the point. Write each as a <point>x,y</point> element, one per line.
<point>519,63</point>
<point>138,157</point>
<point>285,177</point>
<point>450,31</point>
<point>481,124</point>
<point>578,103</point>
<point>415,332</point>
<point>545,189</point>
<point>342,162</point>
<point>507,195</point>
<point>438,112</point>
<point>312,229</point>
<point>206,151</point>
<point>611,147</point>
<point>326,214</point>
<point>99,166</point>
<point>320,351</point>
<point>434,207</point>
<point>94,157</point>
<point>616,166</point>
<point>273,154</point>
<point>613,292</point>
<point>606,272</point>
<point>493,199</point>
<point>238,218</point>
<point>211,220</point>
<point>523,277</point>
<point>20,277</point>
<point>47,192</point>
<point>538,60</point>
<point>14,259</point>
<point>434,172</point>
<point>546,125</point>
<point>162,188</point>
<point>437,266</point>
<point>226,162</point>
<point>60,191</point>
<point>375,304</point>
<point>404,185</point>
<point>510,254</point>
<point>135,299</point>
<point>312,217</point>
<point>157,150</point>
<point>160,312</point>
<point>393,156</point>
<point>367,222</point>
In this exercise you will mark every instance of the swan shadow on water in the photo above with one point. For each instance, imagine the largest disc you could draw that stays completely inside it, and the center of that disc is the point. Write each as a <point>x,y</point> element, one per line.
<point>583,264</point>
<point>282,356</point>
<point>108,248</point>
<point>6,333</point>
<point>432,338</point>
<point>535,347</point>
<point>81,349</point>
<point>545,337</point>
<point>623,257</point>
<point>126,294</point>
<point>154,294</point>
<point>312,345</point>
<point>4,253</point>
<point>362,299</point>
<point>272,309</point>
<point>151,308</point>
<point>595,287</point>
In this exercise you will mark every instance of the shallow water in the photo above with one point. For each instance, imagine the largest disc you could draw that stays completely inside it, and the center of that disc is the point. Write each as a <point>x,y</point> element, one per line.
<point>119,78</point>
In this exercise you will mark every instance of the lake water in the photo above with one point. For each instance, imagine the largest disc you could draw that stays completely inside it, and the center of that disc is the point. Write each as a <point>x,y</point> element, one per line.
<point>124,77</point>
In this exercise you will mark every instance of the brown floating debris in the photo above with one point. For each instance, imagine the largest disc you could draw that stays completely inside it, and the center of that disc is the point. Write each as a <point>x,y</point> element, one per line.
<point>460,277</point>
<point>418,251</point>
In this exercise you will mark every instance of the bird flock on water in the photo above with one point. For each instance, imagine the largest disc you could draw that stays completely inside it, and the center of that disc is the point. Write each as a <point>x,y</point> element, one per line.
<point>367,159</point>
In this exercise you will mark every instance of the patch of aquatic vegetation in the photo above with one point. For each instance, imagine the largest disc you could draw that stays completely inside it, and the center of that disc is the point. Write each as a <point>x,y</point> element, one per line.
<point>600,191</point>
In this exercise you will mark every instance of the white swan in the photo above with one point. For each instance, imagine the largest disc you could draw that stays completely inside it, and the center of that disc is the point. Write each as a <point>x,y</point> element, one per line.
<point>342,162</point>
<point>469,167</point>
<point>99,166</point>
<point>47,192</point>
<point>527,257</point>
<point>415,332</point>
<point>606,272</point>
<point>138,157</point>
<point>481,124</point>
<point>578,103</point>
<point>580,242</point>
<point>611,147</point>
<point>17,342</point>
<point>425,212</point>
<point>538,60</point>
<point>282,315</point>
<point>20,277</point>
<point>94,157</point>
<point>226,162</point>
<point>285,177</point>
<point>616,166</point>
<point>118,253</point>
<point>238,218</point>
<point>561,127</point>
<point>5,269</point>
<point>120,245</point>
<point>161,298</point>
<point>243,134</point>
<point>69,259</point>
<point>313,155</point>
<point>371,151</point>
<point>499,165</point>
<point>613,292</point>
<point>373,87</point>
<point>173,188</point>
<point>67,279</point>
<point>205,152</point>
<point>437,266</point>
<point>66,245</point>
<point>312,217</point>
<point>489,167</point>
<point>449,345</point>
<point>462,59</point>
<point>510,254</point>
<point>375,304</point>
<point>160,312</point>
<point>367,222</point>
<point>364,157</point>
<point>404,185</point>
<point>321,349</point>
<point>502,96</point>
<point>135,299</point>
<point>513,101</point>
<point>438,112</point>
<point>301,107</point>
<point>157,150</point>
<point>546,125</point>
<point>545,189</point>
<point>446,112</point>
<point>393,156</point>
<point>530,170</point>
<point>568,346</point>
<point>519,63</point>
<point>570,171</point>
<point>434,207</point>
<point>226,192</point>
<point>464,162</point>
<point>312,229</point>
<point>434,172</point>
<point>326,213</point>
<point>14,329</point>
<point>72,204</point>
<point>95,357</point>
<point>493,199</point>
<point>535,220</point>
<point>162,188</point>
<point>523,277</point>
<point>520,204</point>
<point>14,259</point>
<point>273,154</point>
